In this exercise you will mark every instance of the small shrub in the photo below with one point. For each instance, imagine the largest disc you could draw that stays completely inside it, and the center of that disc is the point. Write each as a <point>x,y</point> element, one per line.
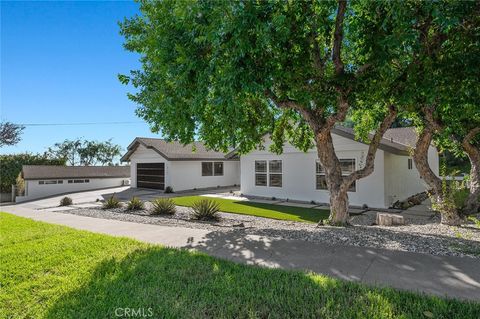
<point>112,202</point>
<point>66,201</point>
<point>163,206</point>
<point>135,204</point>
<point>168,190</point>
<point>205,209</point>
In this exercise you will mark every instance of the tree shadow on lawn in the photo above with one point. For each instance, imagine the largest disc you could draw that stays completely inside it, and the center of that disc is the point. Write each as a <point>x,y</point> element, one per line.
<point>180,283</point>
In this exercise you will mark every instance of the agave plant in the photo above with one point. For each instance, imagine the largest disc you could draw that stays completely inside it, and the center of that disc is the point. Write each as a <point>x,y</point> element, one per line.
<point>135,204</point>
<point>205,209</point>
<point>112,202</point>
<point>163,206</point>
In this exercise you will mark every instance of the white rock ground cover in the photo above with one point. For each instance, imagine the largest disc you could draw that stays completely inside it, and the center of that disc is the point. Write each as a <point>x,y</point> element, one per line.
<point>422,234</point>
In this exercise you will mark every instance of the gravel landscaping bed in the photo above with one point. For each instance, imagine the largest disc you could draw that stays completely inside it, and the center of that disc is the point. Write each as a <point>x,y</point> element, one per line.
<point>428,236</point>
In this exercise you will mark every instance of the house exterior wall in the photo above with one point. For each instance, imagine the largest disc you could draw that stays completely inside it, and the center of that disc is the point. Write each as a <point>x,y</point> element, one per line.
<point>299,178</point>
<point>401,182</point>
<point>188,175</point>
<point>185,175</point>
<point>34,190</point>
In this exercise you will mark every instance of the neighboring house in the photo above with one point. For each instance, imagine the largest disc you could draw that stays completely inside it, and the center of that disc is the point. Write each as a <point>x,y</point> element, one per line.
<point>157,164</point>
<point>299,176</point>
<point>293,175</point>
<point>47,180</point>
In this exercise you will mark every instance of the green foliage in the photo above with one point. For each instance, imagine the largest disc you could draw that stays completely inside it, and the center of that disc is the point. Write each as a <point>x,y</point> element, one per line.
<point>112,202</point>
<point>11,166</point>
<point>208,68</point>
<point>205,209</point>
<point>66,201</point>
<point>163,206</point>
<point>168,189</point>
<point>135,204</point>
<point>83,152</point>
<point>455,194</point>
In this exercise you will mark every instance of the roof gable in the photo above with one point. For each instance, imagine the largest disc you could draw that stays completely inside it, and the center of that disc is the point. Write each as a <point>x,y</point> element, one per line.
<point>176,151</point>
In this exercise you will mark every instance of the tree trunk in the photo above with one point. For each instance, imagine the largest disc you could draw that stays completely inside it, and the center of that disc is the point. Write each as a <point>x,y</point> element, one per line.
<point>333,175</point>
<point>472,205</point>
<point>450,215</point>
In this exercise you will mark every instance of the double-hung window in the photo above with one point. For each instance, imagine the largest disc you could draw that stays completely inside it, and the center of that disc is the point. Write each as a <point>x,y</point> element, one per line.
<point>348,167</point>
<point>268,173</point>
<point>260,173</point>
<point>275,173</point>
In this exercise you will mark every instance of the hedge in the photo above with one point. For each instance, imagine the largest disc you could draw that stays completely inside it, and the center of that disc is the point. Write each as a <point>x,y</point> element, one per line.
<point>11,166</point>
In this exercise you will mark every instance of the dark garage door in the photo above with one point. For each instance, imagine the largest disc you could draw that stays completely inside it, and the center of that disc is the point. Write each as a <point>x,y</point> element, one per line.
<point>151,175</point>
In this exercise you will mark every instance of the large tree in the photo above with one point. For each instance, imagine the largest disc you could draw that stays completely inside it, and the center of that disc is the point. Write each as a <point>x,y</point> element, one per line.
<point>229,72</point>
<point>438,87</point>
<point>10,133</point>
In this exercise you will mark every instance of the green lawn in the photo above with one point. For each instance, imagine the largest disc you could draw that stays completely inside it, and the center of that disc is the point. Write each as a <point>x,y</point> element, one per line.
<point>51,271</point>
<point>282,212</point>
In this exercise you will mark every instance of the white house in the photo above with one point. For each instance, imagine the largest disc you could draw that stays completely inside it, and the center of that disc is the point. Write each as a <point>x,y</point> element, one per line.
<point>299,176</point>
<point>293,175</point>
<point>157,164</point>
<point>48,180</point>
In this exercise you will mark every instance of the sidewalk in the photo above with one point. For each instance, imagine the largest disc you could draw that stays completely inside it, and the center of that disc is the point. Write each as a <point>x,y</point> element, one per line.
<point>444,276</point>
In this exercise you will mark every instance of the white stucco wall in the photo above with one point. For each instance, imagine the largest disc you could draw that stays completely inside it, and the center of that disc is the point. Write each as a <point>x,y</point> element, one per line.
<point>299,178</point>
<point>34,190</point>
<point>188,175</point>
<point>185,175</point>
<point>401,182</point>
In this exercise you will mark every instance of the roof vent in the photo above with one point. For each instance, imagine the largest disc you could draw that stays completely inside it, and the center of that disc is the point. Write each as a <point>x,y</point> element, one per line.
<point>391,139</point>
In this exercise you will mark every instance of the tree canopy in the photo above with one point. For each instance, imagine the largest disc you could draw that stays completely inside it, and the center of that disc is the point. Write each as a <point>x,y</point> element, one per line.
<point>86,153</point>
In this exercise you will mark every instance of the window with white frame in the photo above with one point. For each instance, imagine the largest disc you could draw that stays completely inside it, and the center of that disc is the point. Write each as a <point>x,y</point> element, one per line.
<point>260,173</point>
<point>410,163</point>
<point>275,173</point>
<point>348,167</point>
<point>268,173</point>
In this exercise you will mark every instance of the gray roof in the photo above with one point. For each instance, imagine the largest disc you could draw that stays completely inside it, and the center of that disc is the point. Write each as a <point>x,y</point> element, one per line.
<point>64,172</point>
<point>395,140</point>
<point>402,135</point>
<point>176,151</point>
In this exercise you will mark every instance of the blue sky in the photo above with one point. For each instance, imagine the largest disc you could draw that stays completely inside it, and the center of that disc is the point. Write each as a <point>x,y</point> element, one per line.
<point>59,64</point>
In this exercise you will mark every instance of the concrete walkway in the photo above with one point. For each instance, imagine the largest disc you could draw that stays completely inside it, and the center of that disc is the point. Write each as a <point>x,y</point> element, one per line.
<point>444,276</point>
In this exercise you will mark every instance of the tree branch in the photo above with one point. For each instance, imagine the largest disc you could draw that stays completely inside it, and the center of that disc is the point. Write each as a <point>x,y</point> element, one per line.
<point>338,37</point>
<point>290,104</point>
<point>420,157</point>
<point>372,148</point>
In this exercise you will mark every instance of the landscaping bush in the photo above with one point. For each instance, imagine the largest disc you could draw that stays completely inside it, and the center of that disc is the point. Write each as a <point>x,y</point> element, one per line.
<point>135,204</point>
<point>163,206</point>
<point>205,209</point>
<point>66,201</point>
<point>169,190</point>
<point>11,166</point>
<point>112,202</point>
